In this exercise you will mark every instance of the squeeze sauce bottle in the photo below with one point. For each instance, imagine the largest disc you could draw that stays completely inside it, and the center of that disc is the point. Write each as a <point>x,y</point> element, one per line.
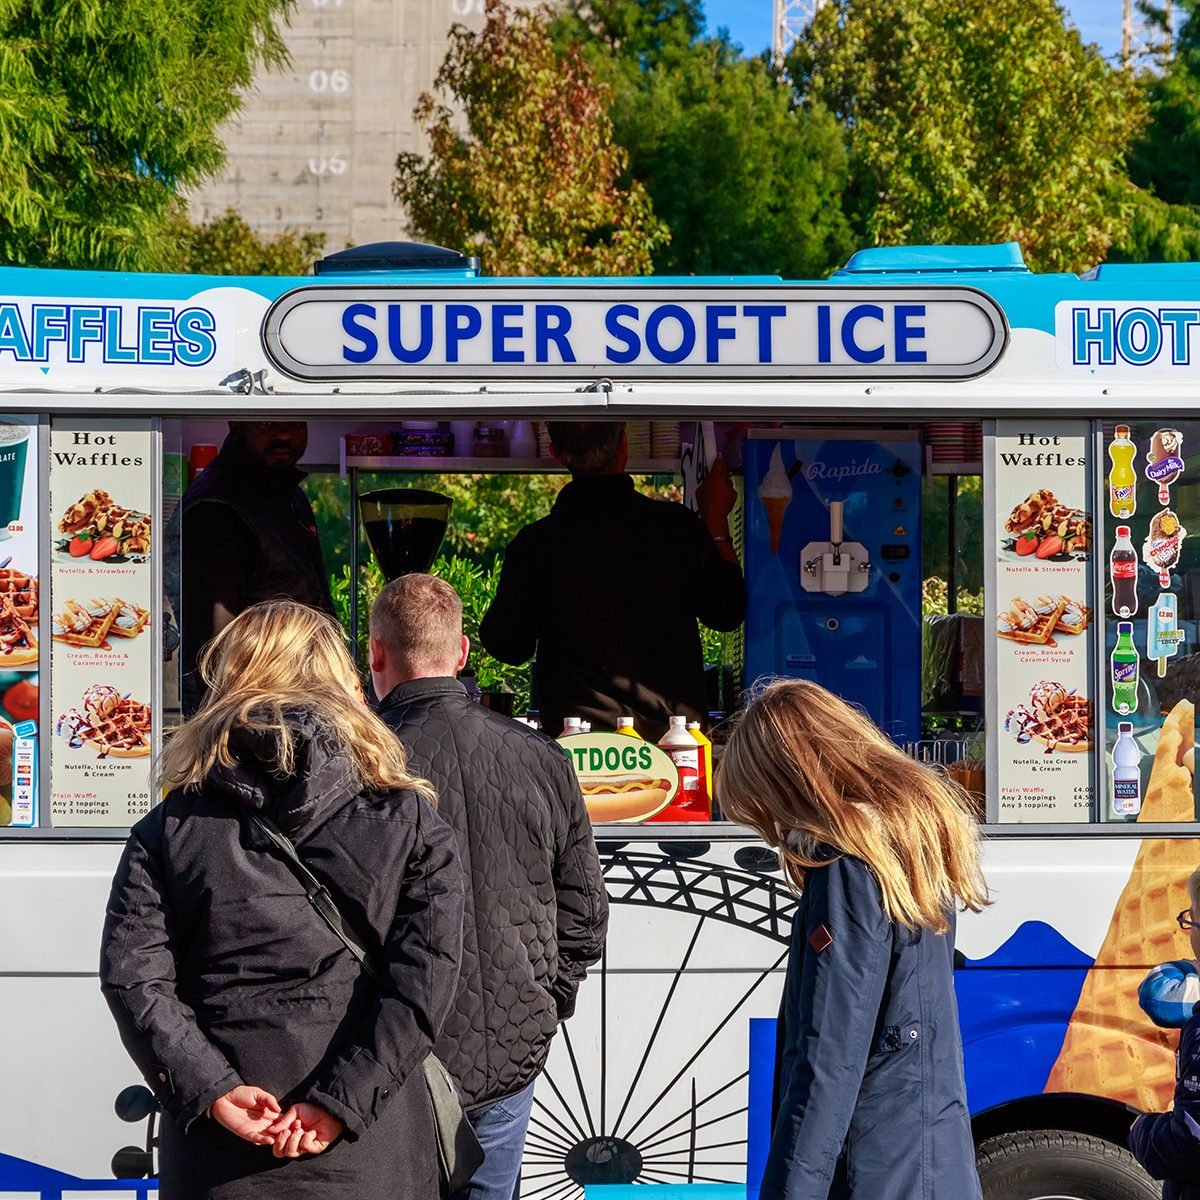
<point>706,763</point>
<point>625,727</point>
<point>690,803</point>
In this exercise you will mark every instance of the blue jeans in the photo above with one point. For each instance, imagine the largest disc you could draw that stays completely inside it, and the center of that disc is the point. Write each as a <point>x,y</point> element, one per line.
<point>501,1129</point>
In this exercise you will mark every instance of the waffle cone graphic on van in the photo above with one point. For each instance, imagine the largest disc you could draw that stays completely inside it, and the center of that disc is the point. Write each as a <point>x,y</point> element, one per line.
<point>1111,1049</point>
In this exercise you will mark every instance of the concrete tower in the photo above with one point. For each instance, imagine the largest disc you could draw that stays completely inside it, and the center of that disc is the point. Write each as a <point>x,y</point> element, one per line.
<point>315,145</point>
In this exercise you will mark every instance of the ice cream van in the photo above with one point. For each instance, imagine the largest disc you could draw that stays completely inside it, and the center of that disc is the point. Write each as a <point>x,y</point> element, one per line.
<point>960,485</point>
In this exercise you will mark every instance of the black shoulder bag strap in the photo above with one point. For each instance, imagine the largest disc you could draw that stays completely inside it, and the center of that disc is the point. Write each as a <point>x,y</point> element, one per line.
<point>459,1152</point>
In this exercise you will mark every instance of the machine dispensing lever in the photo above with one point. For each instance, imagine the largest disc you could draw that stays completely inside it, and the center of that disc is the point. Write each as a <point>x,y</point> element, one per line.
<point>835,522</point>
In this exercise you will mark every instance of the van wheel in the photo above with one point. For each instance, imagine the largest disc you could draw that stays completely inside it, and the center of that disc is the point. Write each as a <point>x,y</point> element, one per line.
<point>1054,1164</point>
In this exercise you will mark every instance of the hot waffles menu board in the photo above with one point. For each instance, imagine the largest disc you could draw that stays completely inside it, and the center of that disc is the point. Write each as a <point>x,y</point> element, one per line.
<point>21,630</point>
<point>102,651</point>
<point>1151,560</point>
<point>1042,622</point>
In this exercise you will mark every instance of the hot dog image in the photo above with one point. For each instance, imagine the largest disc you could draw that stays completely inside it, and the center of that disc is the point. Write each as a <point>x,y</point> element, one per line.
<point>632,797</point>
<point>621,779</point>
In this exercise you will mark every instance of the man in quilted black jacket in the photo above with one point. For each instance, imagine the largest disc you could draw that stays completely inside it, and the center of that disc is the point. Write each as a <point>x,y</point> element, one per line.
<point>536,908</point>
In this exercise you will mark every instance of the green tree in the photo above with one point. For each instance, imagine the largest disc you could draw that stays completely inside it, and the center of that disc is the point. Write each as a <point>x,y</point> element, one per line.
<point>533,184</point>
<point>227,245</point>
<point>975,122</point>
<point>1165,160</point>
<point>1158,231</point>
<point>109,110</point>
<point>747,182</point>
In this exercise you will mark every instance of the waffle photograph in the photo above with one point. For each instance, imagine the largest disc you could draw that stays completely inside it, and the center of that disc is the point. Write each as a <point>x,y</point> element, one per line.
<point>89,623</point>
<point>99,528</point>
<point>112,724</point>
<point>1043,526</point>
<point>1035,622</point>
<point>1054,715</point>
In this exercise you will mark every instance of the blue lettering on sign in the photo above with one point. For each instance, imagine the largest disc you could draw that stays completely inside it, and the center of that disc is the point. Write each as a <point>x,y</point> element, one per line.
<point>627,333</point>
<point>861,312</point>
<point>156,336</point>
<point>1138,336</point>
<point>352,320</point>
<point>623,333</point>
<point>552,323</point>
<point>13,337</point>
<point>463,322</point>
<point>424,335</point>
<point>906,332</point>
<point>197,337</point>
<point>503,332</point>
<point>687,333</point>
<point>714,332</point>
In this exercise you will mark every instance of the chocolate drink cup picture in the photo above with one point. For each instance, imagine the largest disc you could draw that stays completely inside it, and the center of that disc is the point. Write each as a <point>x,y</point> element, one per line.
<point>14,443</point>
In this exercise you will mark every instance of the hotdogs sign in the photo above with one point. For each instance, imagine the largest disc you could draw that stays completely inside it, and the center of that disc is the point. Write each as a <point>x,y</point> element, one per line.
<point>386,333</point>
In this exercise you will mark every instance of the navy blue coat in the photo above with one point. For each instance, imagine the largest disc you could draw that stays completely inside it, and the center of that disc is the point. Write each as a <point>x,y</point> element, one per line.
<point>1168,1144</point>
<point>872,1102</point>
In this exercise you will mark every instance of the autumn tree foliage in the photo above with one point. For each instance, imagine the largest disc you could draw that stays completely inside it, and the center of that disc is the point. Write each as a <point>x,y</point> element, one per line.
<point>533,183</point>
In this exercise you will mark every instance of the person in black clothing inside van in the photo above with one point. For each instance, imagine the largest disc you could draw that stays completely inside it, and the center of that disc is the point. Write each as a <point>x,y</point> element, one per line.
<point>248,534</point>
<point>607,590</point>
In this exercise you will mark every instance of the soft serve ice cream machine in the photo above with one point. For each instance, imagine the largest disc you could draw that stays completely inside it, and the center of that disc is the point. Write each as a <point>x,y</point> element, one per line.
<point>833,568</point>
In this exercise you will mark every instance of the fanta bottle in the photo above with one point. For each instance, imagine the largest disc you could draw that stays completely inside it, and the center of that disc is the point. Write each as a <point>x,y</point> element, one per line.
<point>1122,479</point>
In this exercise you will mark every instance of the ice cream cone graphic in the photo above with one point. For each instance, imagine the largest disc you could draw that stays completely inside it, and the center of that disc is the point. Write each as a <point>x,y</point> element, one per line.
<point>775,493</point>
<point>1110,1048</point>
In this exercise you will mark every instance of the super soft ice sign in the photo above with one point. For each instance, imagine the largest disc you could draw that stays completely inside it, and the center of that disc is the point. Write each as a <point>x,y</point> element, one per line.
<point>802,332</point>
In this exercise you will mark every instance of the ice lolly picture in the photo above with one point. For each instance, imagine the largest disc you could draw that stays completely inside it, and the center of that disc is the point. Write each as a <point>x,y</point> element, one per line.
<point>1163,635</point>
<point>775,493</point>
<point>1163,544</point>
<point>1164,461</point>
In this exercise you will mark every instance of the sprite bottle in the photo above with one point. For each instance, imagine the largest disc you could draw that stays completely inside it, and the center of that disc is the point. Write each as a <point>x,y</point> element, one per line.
<point>1124,671</point>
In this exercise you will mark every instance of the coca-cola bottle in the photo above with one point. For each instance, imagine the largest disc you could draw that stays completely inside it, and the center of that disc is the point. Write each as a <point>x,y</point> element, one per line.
<point>1122,569</point>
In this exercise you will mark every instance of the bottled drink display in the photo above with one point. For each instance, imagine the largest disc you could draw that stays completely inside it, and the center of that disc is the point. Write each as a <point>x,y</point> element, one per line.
<point>1124,671</point>
<point>1126,773</point>
<point>1122,478</point>
<point>1122,569</point>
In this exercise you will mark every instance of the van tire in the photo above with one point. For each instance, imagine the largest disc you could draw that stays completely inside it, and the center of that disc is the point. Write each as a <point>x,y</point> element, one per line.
<point>1056,1164</point>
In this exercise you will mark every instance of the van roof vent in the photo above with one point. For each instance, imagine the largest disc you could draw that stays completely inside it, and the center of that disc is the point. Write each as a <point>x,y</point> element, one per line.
<point>387,257</point>
<point>928,260</point>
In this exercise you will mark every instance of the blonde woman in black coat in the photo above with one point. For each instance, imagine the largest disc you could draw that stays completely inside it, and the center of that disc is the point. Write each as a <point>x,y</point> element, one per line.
<point>284,1071</point>
<point>872,1103</point>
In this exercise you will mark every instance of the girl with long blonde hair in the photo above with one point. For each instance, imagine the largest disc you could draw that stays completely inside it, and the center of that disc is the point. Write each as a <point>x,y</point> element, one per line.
<point>872,1102</point>
<point>255,1026</point>
<point>278,657</point>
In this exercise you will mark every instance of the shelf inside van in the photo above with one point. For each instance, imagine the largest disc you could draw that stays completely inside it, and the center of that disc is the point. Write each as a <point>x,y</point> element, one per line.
<point>498,465</point>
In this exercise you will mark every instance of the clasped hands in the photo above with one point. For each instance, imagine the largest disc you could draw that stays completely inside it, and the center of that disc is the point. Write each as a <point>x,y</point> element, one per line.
<point>256,1116</point>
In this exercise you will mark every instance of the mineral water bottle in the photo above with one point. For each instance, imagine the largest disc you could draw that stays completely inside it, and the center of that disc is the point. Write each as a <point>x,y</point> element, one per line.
<point>1126,773</point>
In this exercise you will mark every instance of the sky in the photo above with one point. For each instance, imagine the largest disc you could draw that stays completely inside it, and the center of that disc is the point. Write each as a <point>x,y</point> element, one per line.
<point>749,22</point>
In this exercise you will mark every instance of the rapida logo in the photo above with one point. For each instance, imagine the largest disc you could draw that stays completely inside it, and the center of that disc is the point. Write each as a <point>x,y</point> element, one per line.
<point>851,470</point>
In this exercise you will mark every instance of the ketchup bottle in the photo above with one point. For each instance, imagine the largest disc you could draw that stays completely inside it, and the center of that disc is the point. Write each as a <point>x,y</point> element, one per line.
<point>691,801</point>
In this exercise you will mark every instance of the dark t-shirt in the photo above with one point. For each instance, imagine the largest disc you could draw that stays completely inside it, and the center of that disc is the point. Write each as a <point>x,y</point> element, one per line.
<point>607,590</point>
<point>248,534</point>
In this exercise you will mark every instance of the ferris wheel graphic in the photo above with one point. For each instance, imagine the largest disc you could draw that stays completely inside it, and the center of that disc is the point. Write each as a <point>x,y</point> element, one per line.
<point>648,1082</point>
